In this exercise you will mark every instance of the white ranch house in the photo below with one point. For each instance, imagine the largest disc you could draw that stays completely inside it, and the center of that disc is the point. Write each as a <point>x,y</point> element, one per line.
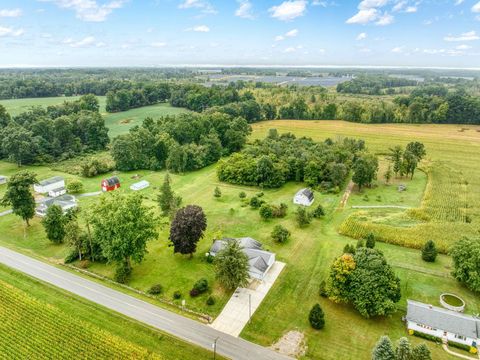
<point>66,202</point>
<point>443,324</point>
<point>57,192</point>
<point>304,197</point>
<point>259,261</point>
<point>44,186</point>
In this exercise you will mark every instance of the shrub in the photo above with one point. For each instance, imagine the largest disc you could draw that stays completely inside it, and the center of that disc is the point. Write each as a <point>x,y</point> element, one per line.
<point>199,287</point>
<point>427,336</point>
<point>122,273</point>
<point>75,187</point>
<point>260,194</point>
<point>317,317</point>
<point>360,243</point>
<point>323,289</point>
<point>429,251</point>
<point>210,301</point>
<point>370,241</point>
<point>459,345</point>
<point>242,195</point>
<point>266,211</point>
<point>71,256</point>
<point>349,249</point>
<point>209,258</point>
<point>318,212</point>
<point>303,217</point>
<point>155,289</point>
<point>94,167</point>
<point>177,295</point>
<point>255,202</point>
<point>280,211</point>
<point>280,234</point>
<point>217,192</point>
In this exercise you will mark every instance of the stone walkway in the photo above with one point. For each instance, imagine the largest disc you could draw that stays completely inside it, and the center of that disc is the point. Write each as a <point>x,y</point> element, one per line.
<point>445,347</point>
<point>236,313</point>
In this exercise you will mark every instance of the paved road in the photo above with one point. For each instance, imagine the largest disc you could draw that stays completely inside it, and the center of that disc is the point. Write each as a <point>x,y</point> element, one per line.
<point>177,325</point>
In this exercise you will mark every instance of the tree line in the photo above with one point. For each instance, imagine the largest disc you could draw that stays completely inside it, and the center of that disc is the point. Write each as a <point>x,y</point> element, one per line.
<point>180,143</point>
<point>52,134</point>
<point>374,85</point>
<point>280,158</point>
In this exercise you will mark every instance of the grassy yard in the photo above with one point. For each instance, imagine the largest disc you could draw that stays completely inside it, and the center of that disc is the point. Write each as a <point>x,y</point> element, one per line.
<point>40,321</point>
<point>311,250</point>
<point>118,123</point>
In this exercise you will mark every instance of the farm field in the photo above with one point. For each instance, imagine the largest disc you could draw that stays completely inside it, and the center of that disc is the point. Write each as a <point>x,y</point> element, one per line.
<point>33,314</point>
<point>311,250</point>
<point>118,123</point>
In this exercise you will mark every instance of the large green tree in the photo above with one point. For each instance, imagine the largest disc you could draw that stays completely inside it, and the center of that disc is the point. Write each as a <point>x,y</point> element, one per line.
<point>167,200</point>
<point>54,224</point>
<point>187,229</point>
<point>383,350</point>
<point>122,226</point>
<point>403,350</point>
<point>19,195</point>
<point>365,169</point>
<point>231,266</point>
<point>465,254</point>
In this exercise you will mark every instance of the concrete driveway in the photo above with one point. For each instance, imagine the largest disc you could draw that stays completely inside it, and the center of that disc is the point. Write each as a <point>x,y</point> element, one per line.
<point>244,302</point>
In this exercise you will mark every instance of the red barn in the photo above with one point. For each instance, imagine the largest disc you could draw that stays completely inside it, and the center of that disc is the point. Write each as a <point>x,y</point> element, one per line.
<point>110,184</point>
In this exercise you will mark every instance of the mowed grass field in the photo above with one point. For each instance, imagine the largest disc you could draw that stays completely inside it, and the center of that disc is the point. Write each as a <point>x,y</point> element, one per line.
<point>118,123</point>
<point>310,251</point>
<point>42,322</point>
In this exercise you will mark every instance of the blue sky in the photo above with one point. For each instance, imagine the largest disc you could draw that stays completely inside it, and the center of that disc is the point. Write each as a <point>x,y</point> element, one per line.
<point>426,33</point>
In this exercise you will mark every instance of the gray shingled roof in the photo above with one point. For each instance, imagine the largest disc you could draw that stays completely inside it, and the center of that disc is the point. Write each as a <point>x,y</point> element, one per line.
<point>306,192</point>
<point>51,180</point>
<point>443,319</point>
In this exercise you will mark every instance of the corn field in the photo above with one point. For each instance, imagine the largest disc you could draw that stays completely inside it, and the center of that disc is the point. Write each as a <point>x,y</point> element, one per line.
<point>31,329</point>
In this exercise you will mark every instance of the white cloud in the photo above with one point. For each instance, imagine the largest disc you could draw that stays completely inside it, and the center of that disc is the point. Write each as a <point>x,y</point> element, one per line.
<point>459,2</point>
<point>290,50</point>
<point>289,10</point>
<point>244,10</point>
<point>85,42</point>
<point>476,7</point>
<point>385,19</point>
<point>158,44</point>
<point>398,50</point>
<point>292,33</point>
<point>363,16</point>
<point>371,4</point>
<point>463,47</point>
<point>89,10</point>
<point>399,6</point>
<point>411,9</point>
<point>467,36</point>
<point>199,28</point>
<point>100,44</point>
<point>279,38</point>
<point>362,36</point>
<point>202,5</point>
<point>8,31</point>
<point>10,12</point>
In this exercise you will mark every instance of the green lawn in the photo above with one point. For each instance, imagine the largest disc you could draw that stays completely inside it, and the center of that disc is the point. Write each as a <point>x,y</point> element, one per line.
<point>118,123</point>
<point>67,315</point>
<point>309,252</point>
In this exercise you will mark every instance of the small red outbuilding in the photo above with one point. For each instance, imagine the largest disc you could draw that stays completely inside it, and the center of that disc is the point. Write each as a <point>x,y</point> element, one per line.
<point>110,184</point>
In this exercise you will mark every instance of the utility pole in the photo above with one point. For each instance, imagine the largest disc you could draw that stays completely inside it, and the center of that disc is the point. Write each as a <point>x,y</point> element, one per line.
<point>214,345</point>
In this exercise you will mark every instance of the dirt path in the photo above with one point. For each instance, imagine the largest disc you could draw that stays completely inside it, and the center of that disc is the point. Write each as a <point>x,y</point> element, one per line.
<point>346,195</point>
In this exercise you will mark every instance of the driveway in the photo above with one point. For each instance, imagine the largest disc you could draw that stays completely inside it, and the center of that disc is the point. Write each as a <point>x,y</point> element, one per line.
<point>174,324</point>
<point>244,301</point>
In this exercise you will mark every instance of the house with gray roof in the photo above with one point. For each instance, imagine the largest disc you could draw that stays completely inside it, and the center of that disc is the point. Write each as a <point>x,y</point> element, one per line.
<point>66,202</point>
<point>259,260</point>
<point>442,323</point>
<point>47,185</point>
<point>304,197</point>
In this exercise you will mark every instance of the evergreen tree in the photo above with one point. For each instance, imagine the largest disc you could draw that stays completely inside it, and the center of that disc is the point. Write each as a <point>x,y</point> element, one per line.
<point>316,317</point>
<point>388,174</point>
<point>429,251</point>
<point>19,195</point>
<point>167,200</point>
<point>403,350</point>
<point>421,352</point>
<point>231,266</point>
<point>54,224</point>
<point>302,216</point>
<point>187,229</point>
<point>370,241</point>
<point>383,350</point>
<point>217,192</point>
<point>349,249</point>
<point>318,212</point>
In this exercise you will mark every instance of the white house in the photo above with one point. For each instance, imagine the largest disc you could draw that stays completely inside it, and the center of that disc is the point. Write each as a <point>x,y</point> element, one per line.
<point>259,261</point>
<point>304,197</point>
<point>442,323</point>
<point>3,179</point>
<point>57,192</point>
<point>140,185</point>
<point>66,202</point>
<point>47,185</point>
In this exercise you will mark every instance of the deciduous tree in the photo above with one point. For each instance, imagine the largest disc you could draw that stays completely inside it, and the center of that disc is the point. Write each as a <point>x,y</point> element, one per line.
<point>54,224</point>
<point>187,229</point>
<point>231,266</point>
<point>19,195</point>
<point>465,254</point>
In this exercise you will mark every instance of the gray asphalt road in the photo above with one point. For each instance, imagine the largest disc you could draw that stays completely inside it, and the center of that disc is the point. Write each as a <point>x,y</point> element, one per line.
<point>177,325</point>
